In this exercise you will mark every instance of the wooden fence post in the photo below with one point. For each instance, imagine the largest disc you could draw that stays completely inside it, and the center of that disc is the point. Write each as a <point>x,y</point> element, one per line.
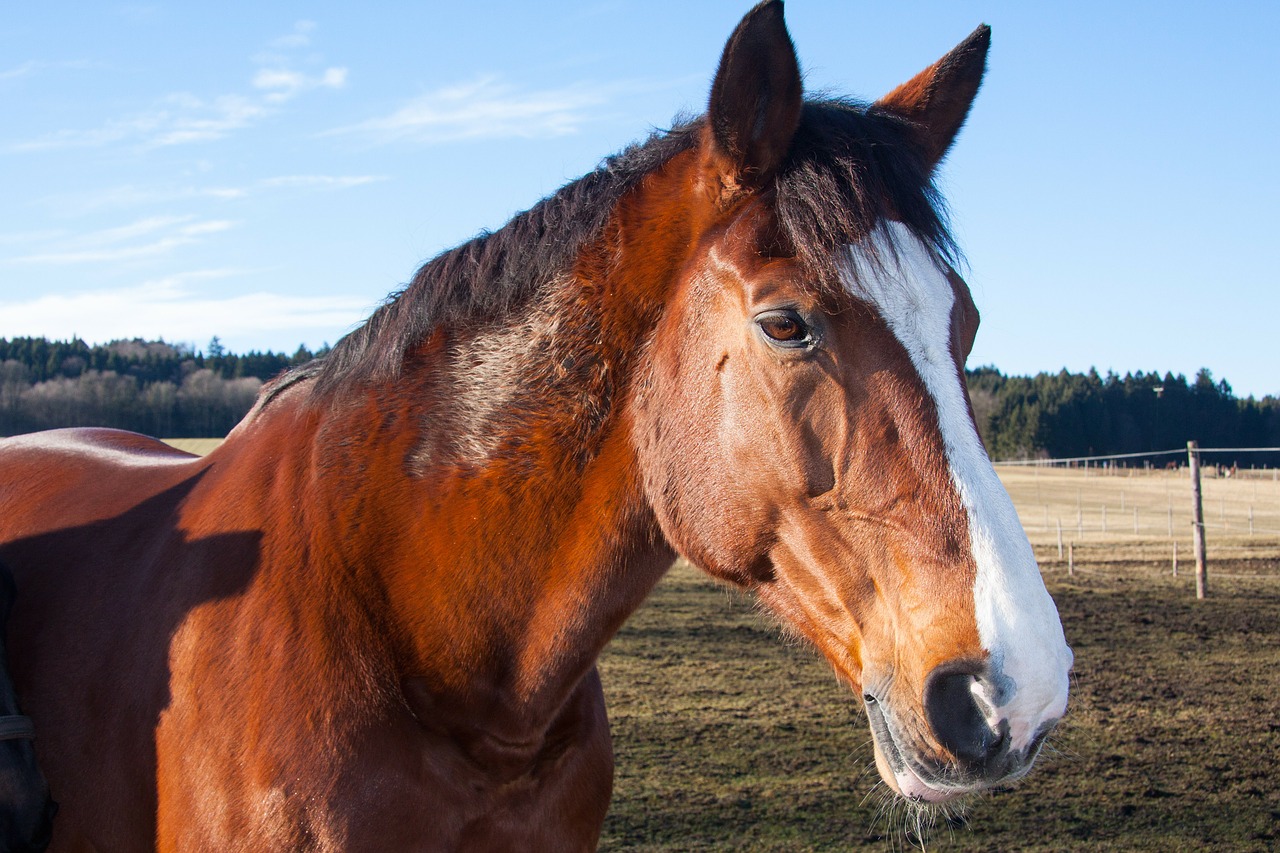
<point>1197,517</point>
<point>1071,558</point>
<point>1175,558</point>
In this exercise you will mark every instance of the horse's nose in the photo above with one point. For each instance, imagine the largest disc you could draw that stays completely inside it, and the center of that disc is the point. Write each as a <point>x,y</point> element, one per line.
<point>965,724</point>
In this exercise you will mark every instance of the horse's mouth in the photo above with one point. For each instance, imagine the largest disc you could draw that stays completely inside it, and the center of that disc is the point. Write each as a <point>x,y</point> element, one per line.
<point>914,782</point>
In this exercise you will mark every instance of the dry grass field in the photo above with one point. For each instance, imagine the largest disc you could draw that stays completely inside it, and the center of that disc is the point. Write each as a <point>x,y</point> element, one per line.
<point>198,446</point>
<point>1131,514</point>
<point>728,738</point>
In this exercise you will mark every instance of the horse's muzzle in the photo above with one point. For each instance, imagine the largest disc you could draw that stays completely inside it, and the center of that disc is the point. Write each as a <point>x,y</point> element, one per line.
<point>977,751</point>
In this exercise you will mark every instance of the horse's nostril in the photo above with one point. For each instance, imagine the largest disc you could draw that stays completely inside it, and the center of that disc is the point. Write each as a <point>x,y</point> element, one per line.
<point>958,722</point>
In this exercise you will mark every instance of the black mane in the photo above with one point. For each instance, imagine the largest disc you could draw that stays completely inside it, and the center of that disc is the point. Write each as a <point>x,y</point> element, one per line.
<point>849,166</point>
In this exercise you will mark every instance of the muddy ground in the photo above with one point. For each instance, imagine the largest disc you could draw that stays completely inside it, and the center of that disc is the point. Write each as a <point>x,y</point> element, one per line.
<point>729,737</point>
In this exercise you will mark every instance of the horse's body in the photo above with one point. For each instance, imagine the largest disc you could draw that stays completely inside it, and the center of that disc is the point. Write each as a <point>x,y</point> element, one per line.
<point>204,668</point>
<point>369,620</point>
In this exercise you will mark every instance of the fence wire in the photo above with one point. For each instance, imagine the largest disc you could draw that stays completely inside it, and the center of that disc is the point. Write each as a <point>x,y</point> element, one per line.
<point>1049,463</point>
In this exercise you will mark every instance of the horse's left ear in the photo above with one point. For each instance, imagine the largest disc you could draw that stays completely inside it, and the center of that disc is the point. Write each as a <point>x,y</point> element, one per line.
<point>756,98</point>
<point>937,100</point>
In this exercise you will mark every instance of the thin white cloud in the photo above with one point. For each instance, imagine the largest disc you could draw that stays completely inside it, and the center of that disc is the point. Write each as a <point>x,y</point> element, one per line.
<point>32,66</point>
<point>328,182</point>
<point>300,37</point>
<point>139,13</point>
<point>62,139</point>
<point>179,118</point>
<point>201,121</point>
<point>183,118</point>
<point>145,238</point>
<point>486,108</point>
<point>282,84</point>
<point>175,310</point>
<point>23,70</point>
<point>131,196</point>
<point>140,228</point>
<point>17,238</point>
<point>200,229</point>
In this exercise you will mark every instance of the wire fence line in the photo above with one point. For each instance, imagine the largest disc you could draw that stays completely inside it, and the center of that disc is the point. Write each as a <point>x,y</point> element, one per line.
<point>1085,516</point>
<point>1149,520</point>
<point>1182,451</point>
<point>1164,570</point>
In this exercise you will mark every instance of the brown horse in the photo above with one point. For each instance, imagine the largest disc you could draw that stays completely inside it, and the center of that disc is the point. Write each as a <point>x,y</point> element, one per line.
<point>369,620</point>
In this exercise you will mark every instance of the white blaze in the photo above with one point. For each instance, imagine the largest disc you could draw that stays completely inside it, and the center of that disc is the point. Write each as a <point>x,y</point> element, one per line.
<point>1017,622</point>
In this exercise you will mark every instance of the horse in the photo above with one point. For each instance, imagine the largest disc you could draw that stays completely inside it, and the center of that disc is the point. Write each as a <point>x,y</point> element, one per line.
<point>26,809</point>
<point>370,619</point>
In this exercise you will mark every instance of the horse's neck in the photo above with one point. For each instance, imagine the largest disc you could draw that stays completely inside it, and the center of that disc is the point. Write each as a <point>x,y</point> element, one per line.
<point>492,500</point>
<point>490,495</point>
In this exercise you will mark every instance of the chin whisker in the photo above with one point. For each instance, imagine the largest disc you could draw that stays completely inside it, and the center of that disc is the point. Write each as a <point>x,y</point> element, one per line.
<point>913,824</point>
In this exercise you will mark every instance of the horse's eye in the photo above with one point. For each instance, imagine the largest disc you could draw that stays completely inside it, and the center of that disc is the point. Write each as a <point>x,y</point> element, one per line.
<point>784,327</point>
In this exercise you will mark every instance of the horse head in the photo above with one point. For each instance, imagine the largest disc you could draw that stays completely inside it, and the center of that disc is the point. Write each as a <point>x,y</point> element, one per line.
<point>805,429</point>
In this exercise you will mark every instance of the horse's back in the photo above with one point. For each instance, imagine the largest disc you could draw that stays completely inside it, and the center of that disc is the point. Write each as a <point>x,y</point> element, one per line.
<point>65,478</point>
<point>86,519</point>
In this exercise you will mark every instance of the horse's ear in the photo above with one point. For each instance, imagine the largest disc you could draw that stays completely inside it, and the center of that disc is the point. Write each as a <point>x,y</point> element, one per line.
<point>937,100</point>
<point>756,97</point>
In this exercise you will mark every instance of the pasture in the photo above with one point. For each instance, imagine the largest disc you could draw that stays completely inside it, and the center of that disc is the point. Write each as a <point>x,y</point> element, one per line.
<point>1132,514</point>
<point>198,446</point>
<point>730,736</point>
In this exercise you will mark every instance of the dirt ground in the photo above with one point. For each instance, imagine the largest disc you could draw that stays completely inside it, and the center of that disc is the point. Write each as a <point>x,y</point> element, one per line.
<point>729,738</point>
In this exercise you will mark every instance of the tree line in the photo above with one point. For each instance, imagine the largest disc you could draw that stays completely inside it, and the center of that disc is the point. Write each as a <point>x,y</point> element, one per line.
<point>152,387</point>
<point>175,391</point>
<point>1064,415</point>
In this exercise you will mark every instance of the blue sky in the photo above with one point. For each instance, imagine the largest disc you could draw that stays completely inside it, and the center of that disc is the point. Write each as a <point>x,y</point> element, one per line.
<point>268,172</point>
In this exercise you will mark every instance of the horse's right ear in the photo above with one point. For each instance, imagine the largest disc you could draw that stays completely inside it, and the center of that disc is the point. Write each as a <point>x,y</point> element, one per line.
<point>937,100</point>
<point>755,99</point>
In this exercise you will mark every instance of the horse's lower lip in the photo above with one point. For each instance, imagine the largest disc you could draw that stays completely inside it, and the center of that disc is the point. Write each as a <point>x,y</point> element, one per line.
<point>912,787</point>
<point>894,768</point>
